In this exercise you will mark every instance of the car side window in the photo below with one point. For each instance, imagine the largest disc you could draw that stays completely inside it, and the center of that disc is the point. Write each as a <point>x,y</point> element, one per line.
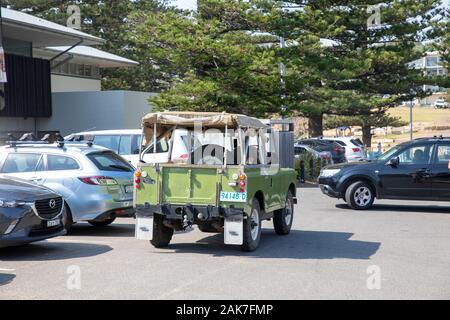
<point>420,154</point>
<point>21,162</point>
<point>125,145</point>
<point>61,163</point>
<point>109,142</point>
<point>443,154</point>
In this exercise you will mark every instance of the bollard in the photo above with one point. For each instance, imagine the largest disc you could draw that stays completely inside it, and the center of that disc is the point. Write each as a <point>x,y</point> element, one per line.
<point>311,168</point>
<point>302,171</point>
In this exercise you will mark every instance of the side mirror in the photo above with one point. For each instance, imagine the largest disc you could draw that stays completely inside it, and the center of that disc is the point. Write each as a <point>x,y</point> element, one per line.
<point>394,162</point>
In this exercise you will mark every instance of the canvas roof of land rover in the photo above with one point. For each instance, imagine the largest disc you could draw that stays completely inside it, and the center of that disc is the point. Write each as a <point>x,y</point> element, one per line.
<point>238,172</point>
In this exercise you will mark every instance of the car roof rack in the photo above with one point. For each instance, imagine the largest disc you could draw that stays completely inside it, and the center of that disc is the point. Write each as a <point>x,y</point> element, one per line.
<point>30,139</point>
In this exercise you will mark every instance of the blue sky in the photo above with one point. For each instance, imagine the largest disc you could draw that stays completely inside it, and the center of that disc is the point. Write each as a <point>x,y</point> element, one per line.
<point>186,4</point>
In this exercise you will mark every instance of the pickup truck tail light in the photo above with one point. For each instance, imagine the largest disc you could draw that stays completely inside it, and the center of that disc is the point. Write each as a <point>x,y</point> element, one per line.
<point>356,150</point>
<point>99,181</point>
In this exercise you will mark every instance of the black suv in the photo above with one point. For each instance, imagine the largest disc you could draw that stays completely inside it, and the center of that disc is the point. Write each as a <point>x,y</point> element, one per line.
<point>28,213</point>
<point>416,170</point>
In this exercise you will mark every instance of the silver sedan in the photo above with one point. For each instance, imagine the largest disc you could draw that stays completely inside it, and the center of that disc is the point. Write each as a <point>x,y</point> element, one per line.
<point>96,183</point>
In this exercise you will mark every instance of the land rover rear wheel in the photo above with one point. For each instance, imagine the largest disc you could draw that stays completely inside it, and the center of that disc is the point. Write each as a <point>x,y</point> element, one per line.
<point>252,228</point>
<point>282,219</point>
<point>161,234</point>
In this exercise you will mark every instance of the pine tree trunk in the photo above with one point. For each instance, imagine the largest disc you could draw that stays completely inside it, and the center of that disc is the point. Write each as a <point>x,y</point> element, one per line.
<point>315,127</point>
<point>367,135</point>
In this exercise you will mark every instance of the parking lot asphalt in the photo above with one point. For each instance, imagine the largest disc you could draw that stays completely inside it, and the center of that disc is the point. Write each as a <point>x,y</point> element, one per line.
<point>397,250</point>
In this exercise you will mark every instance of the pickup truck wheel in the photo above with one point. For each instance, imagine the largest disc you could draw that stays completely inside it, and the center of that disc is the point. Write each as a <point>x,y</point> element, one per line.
<point>103,223</point>
<point>252,229</point>
<point>360,196</point>
<point>282,219</point>
<point>161,234</point>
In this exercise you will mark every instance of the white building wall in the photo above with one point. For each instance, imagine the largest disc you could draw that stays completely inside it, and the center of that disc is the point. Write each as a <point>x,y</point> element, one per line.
<point>81,111</point>
<point>74,84</point>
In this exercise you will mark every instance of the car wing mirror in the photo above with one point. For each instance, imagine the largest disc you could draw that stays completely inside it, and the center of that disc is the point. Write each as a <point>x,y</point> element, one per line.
<point>394,162</point>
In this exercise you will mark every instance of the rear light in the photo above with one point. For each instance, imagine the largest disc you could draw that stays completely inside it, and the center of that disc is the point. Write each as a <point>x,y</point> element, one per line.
<point>242,177</point>
<point>356,150</point>
<point>138,173</point>
<point>242,184</point>
<point>184,156</point>
<point>99,181</point>
<point>137,181</point>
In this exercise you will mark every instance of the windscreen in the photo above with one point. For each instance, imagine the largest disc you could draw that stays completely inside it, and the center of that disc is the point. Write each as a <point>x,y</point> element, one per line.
<point>109,161</point>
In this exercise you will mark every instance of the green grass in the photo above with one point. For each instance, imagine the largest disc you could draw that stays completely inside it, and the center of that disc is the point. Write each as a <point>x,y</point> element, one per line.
<point>420,114</point>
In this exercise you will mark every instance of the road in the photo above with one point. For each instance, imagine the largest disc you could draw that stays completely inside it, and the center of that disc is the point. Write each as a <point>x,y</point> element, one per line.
<point>398,250</point>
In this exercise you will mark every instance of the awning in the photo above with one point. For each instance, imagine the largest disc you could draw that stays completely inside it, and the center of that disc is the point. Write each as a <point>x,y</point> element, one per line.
<point>42,33</point>
<point>93,56</point>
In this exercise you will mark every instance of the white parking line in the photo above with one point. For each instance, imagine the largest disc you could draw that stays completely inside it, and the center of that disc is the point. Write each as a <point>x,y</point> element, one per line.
<point>7,270</point>
<point>77,241</point>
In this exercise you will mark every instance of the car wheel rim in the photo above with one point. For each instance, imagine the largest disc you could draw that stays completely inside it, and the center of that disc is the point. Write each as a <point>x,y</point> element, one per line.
<point>288,212</point>
<point>254,223</point>
<point>363,196</point>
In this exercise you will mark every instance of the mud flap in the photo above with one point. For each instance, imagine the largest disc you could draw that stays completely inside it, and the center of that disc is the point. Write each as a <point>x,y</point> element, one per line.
<point>234,229</point>
<point>144,228</point>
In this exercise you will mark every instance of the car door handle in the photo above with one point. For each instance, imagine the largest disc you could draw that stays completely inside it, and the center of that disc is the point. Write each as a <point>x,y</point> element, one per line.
<point>36,179</point>
<point>425,173</point>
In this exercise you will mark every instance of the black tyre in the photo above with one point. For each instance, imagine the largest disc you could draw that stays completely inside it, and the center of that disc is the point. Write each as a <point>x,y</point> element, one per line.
<point>66,219</point>
<point>252,229</point>
<point>103,223</point>
<point>161,234</point>
<point>360,195</point>
<point>283,219</point>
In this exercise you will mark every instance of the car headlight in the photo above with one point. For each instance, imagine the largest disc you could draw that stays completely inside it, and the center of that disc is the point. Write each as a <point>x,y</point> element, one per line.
<point>327,173</point>
<point>11,204</point>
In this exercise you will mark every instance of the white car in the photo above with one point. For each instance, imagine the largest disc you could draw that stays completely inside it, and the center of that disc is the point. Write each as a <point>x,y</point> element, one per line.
<point>127,143</point>
<point>441,104</point>
<point>355,150</point>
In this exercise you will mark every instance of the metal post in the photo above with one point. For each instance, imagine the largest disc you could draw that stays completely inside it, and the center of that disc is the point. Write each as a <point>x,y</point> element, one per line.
<point>283,79</point>
<point>411,126</point>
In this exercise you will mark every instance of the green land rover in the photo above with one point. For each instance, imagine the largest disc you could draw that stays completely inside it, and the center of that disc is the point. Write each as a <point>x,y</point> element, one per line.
<point>231,173</point>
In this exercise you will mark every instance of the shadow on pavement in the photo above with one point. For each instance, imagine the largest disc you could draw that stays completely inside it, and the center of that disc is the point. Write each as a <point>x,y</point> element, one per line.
<point>113,230</point>
<point>52,251</point>
<point>6,278</point>
<point>297,245</point>
<point>403,208</point>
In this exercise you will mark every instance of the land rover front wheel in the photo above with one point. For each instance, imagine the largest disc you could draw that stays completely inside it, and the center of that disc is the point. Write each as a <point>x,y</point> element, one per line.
<point>282,219</point>
<point>252,228</point>
<point>161,234</point>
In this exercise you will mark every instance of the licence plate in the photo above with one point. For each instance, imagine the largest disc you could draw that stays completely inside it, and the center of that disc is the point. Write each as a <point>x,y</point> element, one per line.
<point>128,189</point>
<point>233,196</point>
<point>53,223</point>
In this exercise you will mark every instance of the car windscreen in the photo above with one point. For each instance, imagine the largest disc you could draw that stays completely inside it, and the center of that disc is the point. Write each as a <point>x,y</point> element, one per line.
<point>109,161</point>
<point>357,142</point>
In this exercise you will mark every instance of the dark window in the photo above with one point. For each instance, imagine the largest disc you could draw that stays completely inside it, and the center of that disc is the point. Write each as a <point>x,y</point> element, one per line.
<point>109,161</point>
<point>21,162</point>
<point>420,154</point>
<point>61,163</point>
<point>357,142</point>
<point>28,90</point>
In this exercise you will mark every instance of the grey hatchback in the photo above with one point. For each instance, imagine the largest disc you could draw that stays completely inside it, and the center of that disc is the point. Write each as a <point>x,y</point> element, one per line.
<point>28,213</point>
